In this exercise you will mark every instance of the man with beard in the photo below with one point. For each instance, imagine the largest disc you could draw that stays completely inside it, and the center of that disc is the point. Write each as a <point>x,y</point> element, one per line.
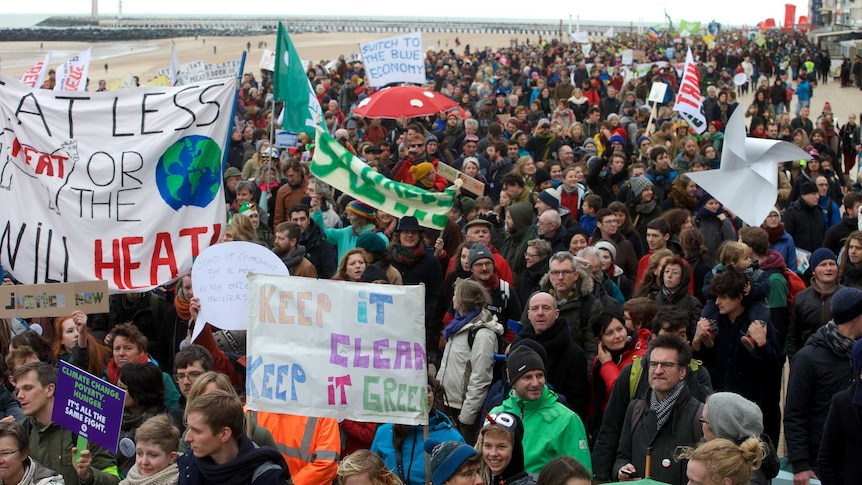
<point>291,253</point>
<point>320,253</point>
<point>291,192</point>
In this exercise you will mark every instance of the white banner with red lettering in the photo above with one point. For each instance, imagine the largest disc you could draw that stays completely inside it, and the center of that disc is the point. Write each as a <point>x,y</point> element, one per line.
<point>689,103</point>
<point>34,76</point>
<point>72,75</point>
<point>123,186</point>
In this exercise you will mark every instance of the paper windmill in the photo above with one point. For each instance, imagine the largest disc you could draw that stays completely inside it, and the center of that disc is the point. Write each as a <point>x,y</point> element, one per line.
<point>747,182</point>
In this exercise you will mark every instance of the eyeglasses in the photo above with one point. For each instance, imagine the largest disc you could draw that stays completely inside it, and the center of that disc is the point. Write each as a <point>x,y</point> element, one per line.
<point>7,454</point>
<point>611,222</point>
<point>555,274</point>
<point>663,365</point>
<point>530,255</point>
<point>190,375</point>
<point>483,264</point>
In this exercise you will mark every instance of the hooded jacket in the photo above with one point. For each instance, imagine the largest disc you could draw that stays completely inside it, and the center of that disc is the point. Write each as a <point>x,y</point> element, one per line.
<point>817,372</point>
<point>564,370</point>
<point>516,243</point>
<point>514,473</point>
<point>466,372</point>
<point>681,297</point>
<point>835,236</point>
<point>550,430</point>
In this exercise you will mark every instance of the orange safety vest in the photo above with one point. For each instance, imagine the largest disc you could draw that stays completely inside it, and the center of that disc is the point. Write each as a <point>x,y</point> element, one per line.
<point>311,446</point>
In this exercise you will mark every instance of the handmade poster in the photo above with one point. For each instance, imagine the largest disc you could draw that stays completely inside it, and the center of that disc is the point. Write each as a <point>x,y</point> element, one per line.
<point>53,299</point>
<point>120,186</point>
<point>451,174</point>
<point>88,406</point>
<point>397,59</point>
<point>356,351</point>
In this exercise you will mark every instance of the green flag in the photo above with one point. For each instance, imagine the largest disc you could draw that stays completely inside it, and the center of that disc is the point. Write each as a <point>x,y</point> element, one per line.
<point>336,166</point>
<point>690,27</point>
<point>301,110</point>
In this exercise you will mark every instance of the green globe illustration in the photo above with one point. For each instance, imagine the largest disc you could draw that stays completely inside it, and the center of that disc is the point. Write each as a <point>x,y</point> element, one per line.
<point>189,172</point>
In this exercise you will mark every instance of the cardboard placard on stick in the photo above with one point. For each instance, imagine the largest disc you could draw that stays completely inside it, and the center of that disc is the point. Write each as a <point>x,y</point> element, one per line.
<point>53,299</point>
<point>451,174</point>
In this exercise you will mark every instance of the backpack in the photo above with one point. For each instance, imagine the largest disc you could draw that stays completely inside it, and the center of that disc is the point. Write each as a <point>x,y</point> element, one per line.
<point>794,284</point>
<point>499,369</point>
<point>638,369</point>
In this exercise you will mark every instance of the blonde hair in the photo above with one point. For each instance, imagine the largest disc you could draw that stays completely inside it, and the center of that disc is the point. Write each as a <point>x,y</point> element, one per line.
<point>730,253</point>
<point>366,461</point>
<point>221,381</point>
<point>495,430</point>
<point>159,430</point>
<point>724,459</point>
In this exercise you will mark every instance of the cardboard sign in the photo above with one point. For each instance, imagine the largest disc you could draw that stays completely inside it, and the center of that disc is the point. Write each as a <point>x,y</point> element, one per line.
<point>452,175</point>
<point>286,139</point>
<point>53,299</point>
<point>627,57</point>
<point>88,406</point>
<point>638,55</point>
<point>356,350</point>
<point>656,93</point>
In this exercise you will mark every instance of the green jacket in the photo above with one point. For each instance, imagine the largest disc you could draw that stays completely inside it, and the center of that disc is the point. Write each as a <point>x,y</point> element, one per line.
<point>550,430</point>
<point>52,447</point>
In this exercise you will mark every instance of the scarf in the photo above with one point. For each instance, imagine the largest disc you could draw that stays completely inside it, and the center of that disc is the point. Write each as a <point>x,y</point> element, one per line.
<point>839,344</point>
<point>407,257</point>
<point>646,207</point>
<point>775,233</point>
<point>548,138</point>
<point>239,470</point>
<point>458,323</point>
<point>182,307</point>
<point>170,475</point>
<point>705,213</point>
<point>364,229</point>
<point>114,372</point>
<point>664,408</point>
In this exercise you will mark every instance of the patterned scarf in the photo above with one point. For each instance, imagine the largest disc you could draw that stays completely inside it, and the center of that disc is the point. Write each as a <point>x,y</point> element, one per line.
<point>663,409</point>
<point>408,257</point>
<point>840,344</point>
<point>168,476</point>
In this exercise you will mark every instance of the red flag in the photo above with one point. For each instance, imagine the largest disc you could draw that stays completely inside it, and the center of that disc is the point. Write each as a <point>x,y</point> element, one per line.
<point>789,14</point>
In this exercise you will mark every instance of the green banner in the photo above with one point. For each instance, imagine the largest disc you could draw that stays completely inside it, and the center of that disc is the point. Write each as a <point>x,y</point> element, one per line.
<point>301,110</point>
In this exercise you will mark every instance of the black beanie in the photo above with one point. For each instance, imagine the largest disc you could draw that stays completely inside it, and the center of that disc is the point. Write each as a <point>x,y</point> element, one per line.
<point>522,360</point>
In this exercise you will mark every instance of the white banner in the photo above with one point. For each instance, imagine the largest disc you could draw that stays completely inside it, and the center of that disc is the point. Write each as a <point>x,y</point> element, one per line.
<point>580,37</point>
<point>356,351</point>
<point>174,76</point>
<point>34,76</point>
<point>396,59</point>
<point>123,186</point>
<point>267,60</point>
<point>627,57</point>
<point>72,75</point>
<point>689,103</point>
<point>193,72</point>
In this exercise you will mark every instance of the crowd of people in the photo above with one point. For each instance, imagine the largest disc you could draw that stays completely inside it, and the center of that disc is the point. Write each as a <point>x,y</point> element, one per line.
<point>636,313</point>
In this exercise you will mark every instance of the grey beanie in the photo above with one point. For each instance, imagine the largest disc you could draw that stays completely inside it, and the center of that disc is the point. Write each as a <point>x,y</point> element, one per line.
<point>639,184</point>
<point>734,417</point>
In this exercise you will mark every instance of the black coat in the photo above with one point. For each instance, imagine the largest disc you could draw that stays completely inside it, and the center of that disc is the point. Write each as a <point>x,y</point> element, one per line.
<point>817,373</point>
<point>321,254</point>
<point>836,234</point>
<point>805,224</point>
<point>838,461</point>
<point>810,311</point>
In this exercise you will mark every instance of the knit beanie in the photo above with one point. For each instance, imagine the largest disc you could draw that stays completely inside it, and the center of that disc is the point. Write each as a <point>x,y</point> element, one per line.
<point>480,251</point>
<point>618,139</point>
<point>541,176</point>
<point>846,304</point>
<point>821,255</point>
<point>247,208</point>
<point>734,417</point>
<point>639,184</point>
<point>258,144</point>
<point>371,242</point>
<point>550,197</point>
<point>522,214</point>
<point>421,170</point>
<point>522,360</point>
<point>807,188</point>
<point>447,458</point>
<point>609,246</point>
<point>361,210</point>
<point>532,344</point>
<point>374,273</point>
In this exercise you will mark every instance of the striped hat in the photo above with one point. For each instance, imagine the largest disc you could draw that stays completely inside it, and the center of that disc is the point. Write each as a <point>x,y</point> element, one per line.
<point>361,210</point>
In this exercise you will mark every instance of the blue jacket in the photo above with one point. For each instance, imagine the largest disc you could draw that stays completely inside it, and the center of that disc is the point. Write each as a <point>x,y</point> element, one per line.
<point>803,91</point>
<point>787,248</point>
<point>412,449</point>
<point>831,212</point>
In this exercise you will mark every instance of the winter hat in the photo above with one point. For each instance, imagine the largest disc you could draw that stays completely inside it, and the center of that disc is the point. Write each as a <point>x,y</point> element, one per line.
<point>247,208</point>
<point>846,303</point>
<point>522,360</point>
<point>589,141</point>
<point>341,134</point>
<point>821,255</point>
<point>807,188</point>
<point>361,210</point>
<point>551,198</point>
<point>618,139</point>
<point>374,273</point>
<point>827,107</point>
<point>532,344</point>
<point>421,170</point>
<point>857,367</point>
<point>408,223</point>
<point>469,138</point>
<point>541,176</point>
<point>639,184</point>
<point>371,242</point>
<point>447,458</point>
<point>430,138</point>
<point>734,417</point>
<point>232,172</point>
<point>642,138</point>
<point>716,124</point>
<point>467,205</point>
<point>352,124</point>
<point>613,116</point>
<point>609,246</point>
<point>543,122</point>
<point>480,251</point>
<point>513,424</point>
<point>258,144</point>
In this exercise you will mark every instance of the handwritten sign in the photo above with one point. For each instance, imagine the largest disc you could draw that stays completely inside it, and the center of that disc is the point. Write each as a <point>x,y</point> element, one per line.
<point>219,280</point>
<point>88,406</point>
<point>357,351</point>
<point>451,174</point>
<point>394,59</point>
<point>627,57</point>
<point>53,299</point>
<point>267,60</point>
<point>657,92</point>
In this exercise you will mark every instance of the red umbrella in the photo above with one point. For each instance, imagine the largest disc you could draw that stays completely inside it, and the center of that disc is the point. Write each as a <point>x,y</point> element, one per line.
<point>398,101</point>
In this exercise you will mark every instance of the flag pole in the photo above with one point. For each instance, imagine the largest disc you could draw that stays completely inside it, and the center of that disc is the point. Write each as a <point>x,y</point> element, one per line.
<point>232,114</point>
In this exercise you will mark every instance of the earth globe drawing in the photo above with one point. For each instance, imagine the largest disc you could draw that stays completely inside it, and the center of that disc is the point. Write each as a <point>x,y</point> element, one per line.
<point>189,172</point>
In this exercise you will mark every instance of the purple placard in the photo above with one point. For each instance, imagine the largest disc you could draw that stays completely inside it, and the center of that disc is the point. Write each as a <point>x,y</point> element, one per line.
<point>88,406</point>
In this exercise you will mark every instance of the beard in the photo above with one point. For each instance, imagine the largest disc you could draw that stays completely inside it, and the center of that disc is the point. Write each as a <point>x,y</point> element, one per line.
<point>281,251</point>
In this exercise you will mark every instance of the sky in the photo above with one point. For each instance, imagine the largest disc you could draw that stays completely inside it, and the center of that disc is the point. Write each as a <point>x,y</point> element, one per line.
<point>733,12</point>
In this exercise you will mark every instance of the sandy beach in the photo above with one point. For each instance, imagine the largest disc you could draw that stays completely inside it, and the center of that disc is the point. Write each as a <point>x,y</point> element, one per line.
<point>144,58</point>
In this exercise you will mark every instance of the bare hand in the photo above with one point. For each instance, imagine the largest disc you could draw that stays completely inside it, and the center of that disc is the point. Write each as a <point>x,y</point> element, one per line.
<point>757,331</point>
<point>802,478</point>
<point>195,307</point>
<point>703,327</point>
<point>623,477</point>
<point>7,282</point>
<point>83,465</point>
<point>604,355</point>
<point>747,289</point>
